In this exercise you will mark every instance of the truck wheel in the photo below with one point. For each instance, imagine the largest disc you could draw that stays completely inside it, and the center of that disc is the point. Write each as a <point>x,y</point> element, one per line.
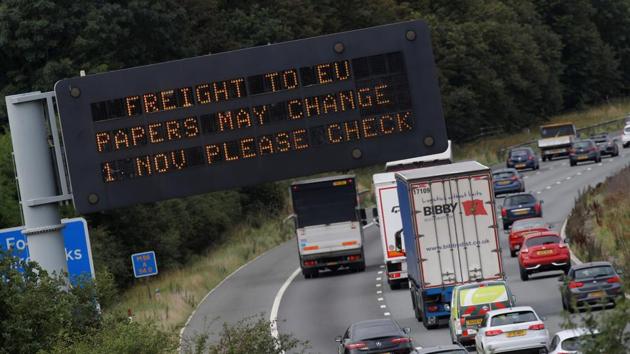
<point>544,158</point>
<point>360,267</point>
<point>425,323</point>
<point>506,226</point>
<point>393,285</point>
<point>573,163</point>
<point>524,275</point>
<point>307,273</point>
<point>416,310</point>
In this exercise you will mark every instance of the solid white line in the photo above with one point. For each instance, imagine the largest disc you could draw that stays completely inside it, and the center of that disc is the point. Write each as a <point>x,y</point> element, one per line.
<point>574,259</point>
<point>273,317</point>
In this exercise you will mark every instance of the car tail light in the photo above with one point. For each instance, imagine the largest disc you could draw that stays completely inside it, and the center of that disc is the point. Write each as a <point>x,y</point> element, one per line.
<point>593,149</point>
<point>575,284</point>
<point>354,258</point>
<point>392,254</point>
<point>401,340</point>
<point>530,157</point>
<point>310,263</point>
<point>493,332</point>
<point>514,178</point>
<point>432,308</point>
<point>503,212</point>
<point>537,208</point>
<point>562,245</point>
<point>462,321</point>
<point>537,326</point>
<point>614,279</point>
<point>357,345</point>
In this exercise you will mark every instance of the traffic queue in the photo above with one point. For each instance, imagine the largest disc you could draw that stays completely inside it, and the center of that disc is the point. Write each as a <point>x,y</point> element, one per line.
<point>454,266</point>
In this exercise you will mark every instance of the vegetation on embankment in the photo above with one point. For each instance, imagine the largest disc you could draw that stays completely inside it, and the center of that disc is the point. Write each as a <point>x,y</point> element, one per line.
<point>599,224</point>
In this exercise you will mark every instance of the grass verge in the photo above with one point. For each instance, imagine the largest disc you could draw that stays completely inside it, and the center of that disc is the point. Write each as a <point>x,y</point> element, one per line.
<point>180,291</point>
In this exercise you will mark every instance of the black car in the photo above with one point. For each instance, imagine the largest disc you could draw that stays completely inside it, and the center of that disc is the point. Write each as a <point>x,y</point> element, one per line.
<point>521,158</point>
<point>606,145</point>
<point>584,150</point>
<point>442,349</point>
<point>375,336</point>
<point>594,283</point>
<point>520,206</point>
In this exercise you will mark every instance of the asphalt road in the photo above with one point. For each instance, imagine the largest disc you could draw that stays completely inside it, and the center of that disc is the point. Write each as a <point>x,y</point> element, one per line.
<point>320,309</point>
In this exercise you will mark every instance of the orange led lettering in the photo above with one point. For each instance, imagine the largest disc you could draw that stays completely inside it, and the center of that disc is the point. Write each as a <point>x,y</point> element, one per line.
<point>203,94</point>
<point>167,97</point>
<point>154,134</point>
<point>172,130</point>
<point>150,102</point>
<point>368,128</point>
<point>380,99</point>
<point>284,142</point>
<point>260,112</point>
<point>322,73</point>
<point>391,127</point>
<point>265,145</point>
<point>403,122</point>
<point>131,105</point>
<point>223,90</point>
<point>212,151</point>
<point>161,163</point>
<point>352,127</point>
<point>178,159</point>
<point>143,166</point>
<point>242,119</point>
<point>192,129</point>
<point>108,171</point>
<point>225,119</point>
<point>365,100</point>
<point>330,103</point>
<point>312,107</point>
<point>238,84</point>
<point>248,148</point>
<point>290,79</point>
<point>346,98</point>
<point>333,132</point>
<point>295,109</point>
<point>272,80</point>
<point>137,135</point>
<point>186,96</point>
<point>299,139</point>
<point>102,140</point>
<point>121,139</point>
<point>226,153</point>
<point>343,72</point>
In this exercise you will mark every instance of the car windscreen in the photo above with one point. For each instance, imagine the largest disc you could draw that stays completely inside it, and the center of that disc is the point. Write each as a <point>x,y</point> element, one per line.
<point>519,153</point>
<point>627,130</point>
<point>541,240</point>
<point>593,272</point>
<point>503,175</point>
<point>381,330</point>
<point>451,351</point>
<point>582,144</point>
<point>519,199</point>
<point>324,202</point>
<point>562,130</point>
<point>513,318</point>
<point>528,224</point>
<point>482,295</point>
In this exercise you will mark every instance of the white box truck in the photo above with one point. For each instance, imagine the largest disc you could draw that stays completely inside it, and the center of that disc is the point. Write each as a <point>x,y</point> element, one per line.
<point>328,224</point>
<point>450,230</point>
<point>388,213</point>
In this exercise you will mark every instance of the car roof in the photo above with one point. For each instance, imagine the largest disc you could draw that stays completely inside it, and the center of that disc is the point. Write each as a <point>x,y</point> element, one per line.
<point>504,170</point>
<point>528,220</point>
<point>439,348</point>
<point>514,195</point>
<point>576,332</point>
<point>592,264</point>
<point>385,326</point>
<point>522,148</point>
<point>532,234</point>
<point>510,310</point>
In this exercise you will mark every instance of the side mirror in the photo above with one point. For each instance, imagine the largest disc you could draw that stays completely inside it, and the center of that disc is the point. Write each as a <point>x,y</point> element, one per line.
<point>561,278</point>
<point>567,240</point>
<point>363,216</point>
<point>407,330</point>
<point>338,339</point>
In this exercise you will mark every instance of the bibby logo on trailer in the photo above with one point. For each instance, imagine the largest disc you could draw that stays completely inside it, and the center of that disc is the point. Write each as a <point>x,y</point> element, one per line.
<point>439,209</point>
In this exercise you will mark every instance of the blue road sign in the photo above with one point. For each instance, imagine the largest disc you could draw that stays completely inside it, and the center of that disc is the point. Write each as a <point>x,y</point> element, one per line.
<point>144,264</point>
<point>76,242</point>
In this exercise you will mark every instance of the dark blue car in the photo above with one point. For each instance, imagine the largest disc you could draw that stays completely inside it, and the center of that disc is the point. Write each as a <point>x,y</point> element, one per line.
<point>507,180</point>
<point>520,206</point>
<point>522,158</point>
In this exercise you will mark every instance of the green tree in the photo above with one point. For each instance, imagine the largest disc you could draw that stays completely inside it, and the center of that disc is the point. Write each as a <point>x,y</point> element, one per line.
<point>9,206</point>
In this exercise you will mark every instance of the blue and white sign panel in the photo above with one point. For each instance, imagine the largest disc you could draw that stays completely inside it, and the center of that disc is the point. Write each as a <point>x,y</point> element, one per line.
<point>144,264</point>
<point>76,241</point>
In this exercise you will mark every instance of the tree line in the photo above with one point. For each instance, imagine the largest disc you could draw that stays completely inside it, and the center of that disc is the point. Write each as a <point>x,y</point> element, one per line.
<point>501,63</point>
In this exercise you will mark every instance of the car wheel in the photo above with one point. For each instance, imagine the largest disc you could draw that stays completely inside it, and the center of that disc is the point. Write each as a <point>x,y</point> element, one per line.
<point>524,275</point>
<point>513,253</point>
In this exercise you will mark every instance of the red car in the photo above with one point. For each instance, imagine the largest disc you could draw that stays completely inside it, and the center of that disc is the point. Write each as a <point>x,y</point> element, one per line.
<point>520,228</point>
<point>543,251</point>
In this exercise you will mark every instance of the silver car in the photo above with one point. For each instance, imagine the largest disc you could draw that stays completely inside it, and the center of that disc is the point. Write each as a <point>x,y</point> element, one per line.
<point>516,328</point>
<point>568,341</point>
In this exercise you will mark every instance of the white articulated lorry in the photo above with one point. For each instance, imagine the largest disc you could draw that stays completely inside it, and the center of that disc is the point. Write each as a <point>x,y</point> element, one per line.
<point>388,213</point>
<point>328,224</point>
<point>450,232</point>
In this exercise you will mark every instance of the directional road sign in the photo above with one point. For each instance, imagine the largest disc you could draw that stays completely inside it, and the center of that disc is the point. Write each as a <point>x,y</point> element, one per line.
<point>144,264</point>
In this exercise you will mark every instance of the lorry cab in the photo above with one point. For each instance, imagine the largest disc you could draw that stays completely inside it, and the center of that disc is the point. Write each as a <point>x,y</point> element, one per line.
<point>470,302</point>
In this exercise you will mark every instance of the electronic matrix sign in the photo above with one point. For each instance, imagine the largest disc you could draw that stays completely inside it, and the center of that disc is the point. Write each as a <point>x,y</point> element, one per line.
<point>238,118</point>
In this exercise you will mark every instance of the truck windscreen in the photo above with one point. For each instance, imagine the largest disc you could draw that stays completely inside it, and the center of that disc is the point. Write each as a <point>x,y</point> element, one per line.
<point>324,202</point>
<point>559,130</point>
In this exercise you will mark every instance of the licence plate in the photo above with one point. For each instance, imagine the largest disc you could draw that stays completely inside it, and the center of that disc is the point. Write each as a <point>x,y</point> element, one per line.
<point>544,253</point>
<point>582,157</point>
<point>597,294</point>
<point>521,212</point>
<point>520,165</point>
<point>475,322</point>
<point>503,183</point>
<point>557,151</point>
<point>331,263</point>
<point>519,333</point>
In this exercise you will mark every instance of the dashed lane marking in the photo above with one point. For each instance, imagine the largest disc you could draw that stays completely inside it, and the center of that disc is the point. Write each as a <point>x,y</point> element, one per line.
<point>378,285</point>
<point>548,187</point>
<point>383,306</point>
<point>568,178</point>
<point>538,192</point>
<point>380,299</point>
<point>386,314</point>
<point>379,292</point>
<point>378,279</point>
<point>558,182</point>
<point>380,272</point>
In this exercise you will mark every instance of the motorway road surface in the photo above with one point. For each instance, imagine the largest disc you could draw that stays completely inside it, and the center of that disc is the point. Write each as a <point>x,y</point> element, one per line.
<point>320,309</point>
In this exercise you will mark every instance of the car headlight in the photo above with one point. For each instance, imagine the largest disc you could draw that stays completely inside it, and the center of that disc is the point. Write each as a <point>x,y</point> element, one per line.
<point>447,307</point>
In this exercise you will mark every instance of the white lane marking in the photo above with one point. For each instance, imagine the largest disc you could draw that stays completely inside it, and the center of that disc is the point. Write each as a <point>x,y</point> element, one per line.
<point>599,164</point>
<point>568,178</point>
<point>380,299</point>
<point>564,164</point>
<point>558,182</point>
<point>548,187</point>
<point>380,272</point>
<point>588,168</point>
<point>537,172</point>
<point>378,279</point>
<point>378,285</point>
<point>386,314</point>
<point>383,306</point>
<point>525,177</point>
<point>538,192</point>
<point>379,292</point>
<point>273,317</point>
<point>579,173</point>
<point>382,266</point>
